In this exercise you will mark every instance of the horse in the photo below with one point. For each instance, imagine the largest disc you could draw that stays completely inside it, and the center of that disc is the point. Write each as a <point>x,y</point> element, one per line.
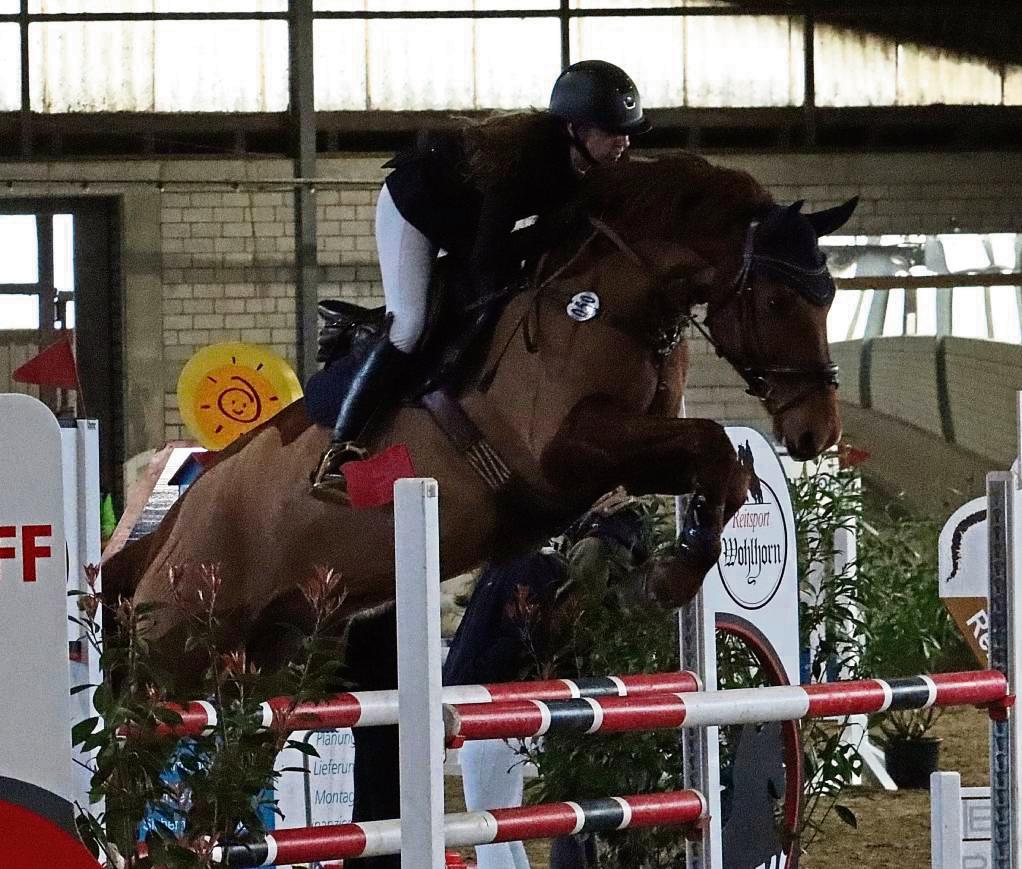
<point>748,462</point>
<point>578,392</point>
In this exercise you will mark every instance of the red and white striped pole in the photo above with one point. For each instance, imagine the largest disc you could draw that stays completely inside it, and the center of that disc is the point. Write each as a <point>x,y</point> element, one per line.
<point>378,838</point>
<point>374,708</point>
<point>738,706</point>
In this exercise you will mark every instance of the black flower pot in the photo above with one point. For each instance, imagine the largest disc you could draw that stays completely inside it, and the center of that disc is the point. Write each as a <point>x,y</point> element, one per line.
<point>910,761</point>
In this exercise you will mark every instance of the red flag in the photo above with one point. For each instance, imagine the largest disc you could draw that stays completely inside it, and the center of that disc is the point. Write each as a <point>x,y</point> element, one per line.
<point>850,456</point>
<point>54,366</point>
<point>371,482</point>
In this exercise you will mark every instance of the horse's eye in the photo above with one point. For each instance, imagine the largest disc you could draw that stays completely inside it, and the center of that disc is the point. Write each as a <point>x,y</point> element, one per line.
<point>777,304</point>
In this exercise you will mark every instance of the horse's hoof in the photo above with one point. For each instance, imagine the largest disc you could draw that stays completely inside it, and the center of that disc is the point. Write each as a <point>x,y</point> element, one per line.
<point>675,581</point>
<point>674,585</point>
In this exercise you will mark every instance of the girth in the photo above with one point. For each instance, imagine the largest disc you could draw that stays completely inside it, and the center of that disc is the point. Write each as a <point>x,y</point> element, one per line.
<point>511,489</point>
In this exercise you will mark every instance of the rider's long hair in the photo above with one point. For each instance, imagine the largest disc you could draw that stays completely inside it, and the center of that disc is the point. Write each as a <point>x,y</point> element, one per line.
<point>499,147</point>
<point>677,195</point>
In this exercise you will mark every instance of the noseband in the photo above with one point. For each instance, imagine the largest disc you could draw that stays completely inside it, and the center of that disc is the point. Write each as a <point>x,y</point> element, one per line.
<point>668,329</point>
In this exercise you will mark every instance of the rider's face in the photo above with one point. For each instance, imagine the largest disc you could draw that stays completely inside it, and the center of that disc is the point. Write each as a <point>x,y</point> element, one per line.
<point>604,147</point>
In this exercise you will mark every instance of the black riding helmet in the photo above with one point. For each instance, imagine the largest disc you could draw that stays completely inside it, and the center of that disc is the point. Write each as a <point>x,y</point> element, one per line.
<point>601,94</point>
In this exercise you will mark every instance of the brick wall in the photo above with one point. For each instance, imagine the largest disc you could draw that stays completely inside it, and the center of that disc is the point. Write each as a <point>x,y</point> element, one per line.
<point>225,259</point>
<point>228,268</point>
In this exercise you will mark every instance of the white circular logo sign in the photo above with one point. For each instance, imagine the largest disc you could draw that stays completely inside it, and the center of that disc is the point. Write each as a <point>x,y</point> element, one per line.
<point>583,306</point>
<point>754,548</point>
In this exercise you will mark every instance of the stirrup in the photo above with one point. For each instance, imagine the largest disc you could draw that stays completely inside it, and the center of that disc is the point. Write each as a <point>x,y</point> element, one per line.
<point>328,480</point>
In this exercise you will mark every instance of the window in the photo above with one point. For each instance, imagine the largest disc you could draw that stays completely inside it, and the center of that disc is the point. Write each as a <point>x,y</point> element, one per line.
<point>732,57</point>
<point>19,311</point>
<point>19,263</point>
<point>26,302</point>
<point>10,66</point>
<point>165,66</point>
<point>963,284</point>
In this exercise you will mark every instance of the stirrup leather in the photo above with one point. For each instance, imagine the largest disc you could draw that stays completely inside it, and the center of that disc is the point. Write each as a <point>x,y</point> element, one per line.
<point>328,476</point>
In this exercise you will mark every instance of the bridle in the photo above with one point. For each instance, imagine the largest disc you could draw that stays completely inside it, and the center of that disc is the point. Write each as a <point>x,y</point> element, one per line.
<point>750,366</point>
<point>669,325</point>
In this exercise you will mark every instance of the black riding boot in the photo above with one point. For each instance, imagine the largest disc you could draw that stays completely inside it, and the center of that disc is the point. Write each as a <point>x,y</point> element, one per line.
<point>371,385</point>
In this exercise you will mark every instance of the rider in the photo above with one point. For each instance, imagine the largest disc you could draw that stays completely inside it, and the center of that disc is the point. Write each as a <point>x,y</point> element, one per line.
<point>463,192</point>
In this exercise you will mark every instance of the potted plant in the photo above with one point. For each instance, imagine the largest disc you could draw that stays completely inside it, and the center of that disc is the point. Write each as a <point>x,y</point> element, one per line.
<point>906,630</point>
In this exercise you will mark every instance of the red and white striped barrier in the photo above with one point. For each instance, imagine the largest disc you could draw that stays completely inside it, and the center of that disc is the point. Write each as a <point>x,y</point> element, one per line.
<point>737,706</point>
<point>374,708</point>
<point>377,838</point>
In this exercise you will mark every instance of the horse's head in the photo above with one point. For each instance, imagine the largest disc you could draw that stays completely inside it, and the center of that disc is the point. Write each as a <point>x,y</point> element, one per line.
<point>686,232</point>
<point>770,322</point>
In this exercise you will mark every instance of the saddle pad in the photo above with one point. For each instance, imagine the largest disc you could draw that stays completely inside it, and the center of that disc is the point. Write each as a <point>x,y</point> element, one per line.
<point>371,481</point>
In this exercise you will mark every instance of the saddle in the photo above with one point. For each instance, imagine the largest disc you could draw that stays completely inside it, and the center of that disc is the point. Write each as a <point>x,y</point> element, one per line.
<point>456,325</point>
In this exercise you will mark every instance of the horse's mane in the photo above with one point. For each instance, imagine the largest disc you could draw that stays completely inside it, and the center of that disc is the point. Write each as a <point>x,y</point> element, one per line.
<point>680,196</point>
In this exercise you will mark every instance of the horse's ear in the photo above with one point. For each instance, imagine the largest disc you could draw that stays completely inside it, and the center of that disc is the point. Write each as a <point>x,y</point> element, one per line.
<point>796,206</point>
<point>825,222</point>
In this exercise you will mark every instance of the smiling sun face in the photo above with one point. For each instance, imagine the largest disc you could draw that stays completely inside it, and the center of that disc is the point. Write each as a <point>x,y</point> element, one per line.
<point>226,390</point>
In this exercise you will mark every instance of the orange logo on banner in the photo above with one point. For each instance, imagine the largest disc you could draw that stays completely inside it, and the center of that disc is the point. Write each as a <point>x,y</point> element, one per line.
<point>971,618</point>
<point>228,389</point>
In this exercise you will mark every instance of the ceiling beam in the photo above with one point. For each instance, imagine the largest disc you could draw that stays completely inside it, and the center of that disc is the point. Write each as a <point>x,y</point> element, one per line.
<point>220,135</point>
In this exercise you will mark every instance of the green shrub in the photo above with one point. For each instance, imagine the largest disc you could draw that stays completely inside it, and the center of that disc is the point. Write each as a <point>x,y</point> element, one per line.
<point>195,792</point>
<point>907,630</point>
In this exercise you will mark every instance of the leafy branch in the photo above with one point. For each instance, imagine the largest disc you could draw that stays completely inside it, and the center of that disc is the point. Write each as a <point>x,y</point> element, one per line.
<point>167,802</point>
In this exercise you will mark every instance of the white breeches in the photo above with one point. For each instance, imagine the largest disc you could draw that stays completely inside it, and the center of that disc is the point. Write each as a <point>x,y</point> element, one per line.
<point>406,263</point>
<point>491,772</point>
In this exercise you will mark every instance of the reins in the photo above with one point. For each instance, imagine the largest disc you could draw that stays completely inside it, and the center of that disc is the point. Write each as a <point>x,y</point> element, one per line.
<point>668,325</point>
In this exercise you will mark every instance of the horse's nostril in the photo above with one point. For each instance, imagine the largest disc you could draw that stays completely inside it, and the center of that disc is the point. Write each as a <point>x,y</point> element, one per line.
<point>807,444</point>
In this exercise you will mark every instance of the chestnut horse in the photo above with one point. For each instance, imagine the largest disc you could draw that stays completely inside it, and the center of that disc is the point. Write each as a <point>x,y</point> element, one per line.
<point>578,393</point>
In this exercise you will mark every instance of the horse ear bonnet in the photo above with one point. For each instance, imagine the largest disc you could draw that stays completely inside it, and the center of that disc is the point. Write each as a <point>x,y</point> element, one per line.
<point>786,247</point>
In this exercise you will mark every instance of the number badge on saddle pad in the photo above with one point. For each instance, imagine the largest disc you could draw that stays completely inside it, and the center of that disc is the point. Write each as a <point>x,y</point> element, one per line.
<point>583,306</point>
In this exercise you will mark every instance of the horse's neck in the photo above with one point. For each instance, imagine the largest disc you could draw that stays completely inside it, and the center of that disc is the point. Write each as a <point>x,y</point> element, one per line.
<point>543,362</point>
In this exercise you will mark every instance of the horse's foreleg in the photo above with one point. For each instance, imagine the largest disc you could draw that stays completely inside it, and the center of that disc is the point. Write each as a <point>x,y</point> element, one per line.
<point>663,456</point>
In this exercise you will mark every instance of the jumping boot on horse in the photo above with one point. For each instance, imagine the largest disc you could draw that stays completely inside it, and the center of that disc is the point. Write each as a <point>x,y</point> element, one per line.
<point>676,579</point>
<point>373,382</point>
<point>698,542</point>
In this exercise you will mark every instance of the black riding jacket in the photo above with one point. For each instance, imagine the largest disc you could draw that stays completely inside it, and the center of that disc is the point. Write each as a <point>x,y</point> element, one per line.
<point>473,222</point>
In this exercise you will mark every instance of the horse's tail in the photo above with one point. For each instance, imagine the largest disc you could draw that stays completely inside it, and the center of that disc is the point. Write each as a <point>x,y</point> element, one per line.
<point>956,540</point>
<point>123,570</point>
